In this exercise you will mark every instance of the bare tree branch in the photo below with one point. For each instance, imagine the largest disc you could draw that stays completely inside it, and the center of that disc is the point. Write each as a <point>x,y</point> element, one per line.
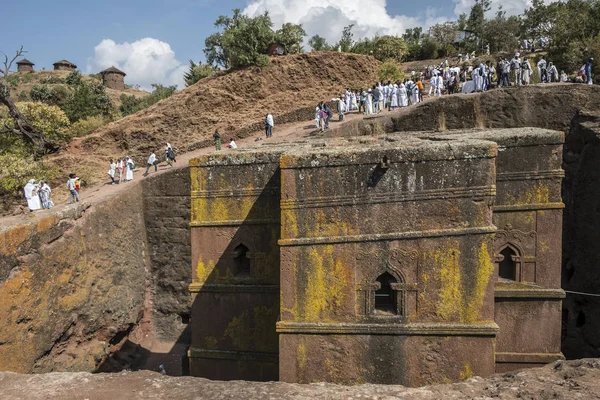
<point>8,64</point>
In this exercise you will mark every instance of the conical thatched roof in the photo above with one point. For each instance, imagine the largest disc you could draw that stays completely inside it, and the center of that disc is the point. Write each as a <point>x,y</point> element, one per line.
<point>113,69</point>
<point>24,61</point>
<point>65,62</point>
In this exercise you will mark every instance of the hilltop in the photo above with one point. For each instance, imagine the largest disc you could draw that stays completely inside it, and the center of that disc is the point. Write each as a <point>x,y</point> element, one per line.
<point>234,102</point>
<point>21,83</point>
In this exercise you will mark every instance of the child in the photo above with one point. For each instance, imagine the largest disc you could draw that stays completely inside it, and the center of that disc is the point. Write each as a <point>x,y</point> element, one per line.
<point>73,186</point>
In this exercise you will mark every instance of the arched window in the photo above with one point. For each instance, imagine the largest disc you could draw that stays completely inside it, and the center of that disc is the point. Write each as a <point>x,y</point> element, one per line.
<point>507,268</point>
<point>385,296</point>
<point>241,260</point>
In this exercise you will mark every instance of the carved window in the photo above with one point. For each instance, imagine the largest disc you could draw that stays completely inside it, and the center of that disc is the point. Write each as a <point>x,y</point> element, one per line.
<point>508,263</point>
<point>388,296</point>
<point>241,260</point>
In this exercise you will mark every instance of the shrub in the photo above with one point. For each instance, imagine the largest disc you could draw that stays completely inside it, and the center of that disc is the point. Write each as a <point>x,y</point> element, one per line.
<point>50,120</point>
<point>86,126</point>
<point>133,104</point>
<point>390,70</point>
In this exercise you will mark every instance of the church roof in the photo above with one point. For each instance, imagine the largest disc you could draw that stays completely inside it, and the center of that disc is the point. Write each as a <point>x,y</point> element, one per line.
<point>65,62</point>
<point>25,61</point>
<point>113,69</point>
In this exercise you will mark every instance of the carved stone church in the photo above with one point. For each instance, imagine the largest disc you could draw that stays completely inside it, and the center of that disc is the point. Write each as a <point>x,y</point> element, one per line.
<point>406,258</point>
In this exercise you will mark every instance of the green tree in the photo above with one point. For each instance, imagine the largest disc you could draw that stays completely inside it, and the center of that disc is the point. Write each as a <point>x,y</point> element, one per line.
<point>364,46</point>
<point>346,42</point>
<point>291,36</point>
<point>318,43</point>
<point>47,119</point>
<point>197,72</point>
<point>214,49</point>
<point>132,104</point>
<point>390,47</point>
<point>502,33</point>
<point>476,21</point>
<point>86,99</point>
<point>390,70</point>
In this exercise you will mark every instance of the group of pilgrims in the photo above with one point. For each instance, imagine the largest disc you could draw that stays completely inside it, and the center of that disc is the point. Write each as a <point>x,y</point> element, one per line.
<point>379,97</point>
<point>38,195</point>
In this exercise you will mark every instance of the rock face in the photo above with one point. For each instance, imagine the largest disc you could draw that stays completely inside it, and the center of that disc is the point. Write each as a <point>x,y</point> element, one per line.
<point>72,286</point>
<point>561,381</point>
<point>390,265</point>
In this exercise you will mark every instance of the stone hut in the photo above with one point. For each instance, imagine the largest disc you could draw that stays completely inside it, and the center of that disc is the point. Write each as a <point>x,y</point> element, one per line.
<point>64,65</point>
<point>24,65</point>
<point>276,49</point>
<point>113,78</point>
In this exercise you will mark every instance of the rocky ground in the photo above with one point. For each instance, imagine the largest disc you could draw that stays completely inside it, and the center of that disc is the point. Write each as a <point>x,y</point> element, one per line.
<point>579,379</point>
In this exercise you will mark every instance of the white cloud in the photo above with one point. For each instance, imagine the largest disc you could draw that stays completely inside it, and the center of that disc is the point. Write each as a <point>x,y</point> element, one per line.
<point>145,61</point>
<point>328,17</point>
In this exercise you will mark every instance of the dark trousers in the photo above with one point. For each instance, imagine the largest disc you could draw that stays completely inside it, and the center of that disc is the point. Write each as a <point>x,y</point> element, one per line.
<point>505,79</point>
<point>269,130</point>
<point>544,76</point>
<point>148,168</point>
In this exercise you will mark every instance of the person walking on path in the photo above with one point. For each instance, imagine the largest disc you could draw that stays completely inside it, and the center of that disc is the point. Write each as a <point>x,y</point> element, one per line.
<point>269,125</point>
<point>120,169</point>
<point>170,155</point>
<point>217,139</point>
<point>72,186</point>
<point>112,169</point>
<point>588,71</point>
<point>129,167</point>
<point>152,160</point>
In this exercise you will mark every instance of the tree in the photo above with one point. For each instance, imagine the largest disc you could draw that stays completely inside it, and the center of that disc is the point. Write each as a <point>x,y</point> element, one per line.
<point>390,47</point>
<point>364,46</point>
<point>49,120</point>
<point>445,33</point>
<point>247,42</point>
<point>86,99</point>
<point>346,42</point>
<point>22,127</point>
<point>132,104</point>
<point>318,43</point>
<point>8,63</point>
<point>197,72</point>
<point>476,20</point>
<point>502,33</point>
<point>291,36</point>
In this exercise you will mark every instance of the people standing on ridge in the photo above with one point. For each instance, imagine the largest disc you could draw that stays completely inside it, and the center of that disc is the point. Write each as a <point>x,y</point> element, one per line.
<point>44,192</point>
<point>269,123</point>
<point>112,169</point>
<point>31,194</point>
<point>72,187</point>
<point>217,139</point>
<point>152,160</point>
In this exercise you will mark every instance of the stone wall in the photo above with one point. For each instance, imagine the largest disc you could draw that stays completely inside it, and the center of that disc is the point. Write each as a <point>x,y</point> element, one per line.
<point>72,285</point>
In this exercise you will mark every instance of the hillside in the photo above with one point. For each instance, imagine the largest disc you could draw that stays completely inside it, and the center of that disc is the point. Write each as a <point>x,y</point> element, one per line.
<point>235,103</point>
<point>20,84</point>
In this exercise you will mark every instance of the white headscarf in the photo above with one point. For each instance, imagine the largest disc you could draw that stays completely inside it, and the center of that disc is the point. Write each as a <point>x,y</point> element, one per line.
<point>29,189</point>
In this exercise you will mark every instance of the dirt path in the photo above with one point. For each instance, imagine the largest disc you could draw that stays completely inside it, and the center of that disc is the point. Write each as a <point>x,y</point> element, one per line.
<point>98,193</point>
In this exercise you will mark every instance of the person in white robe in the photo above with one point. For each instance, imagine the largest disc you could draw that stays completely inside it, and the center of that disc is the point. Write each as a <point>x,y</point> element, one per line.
<point>394,98</point>
<point>563,77</point>
<point>439,85</point>
<point>369,105</point>
<point>348,99</point>
<point>388,99</point>
<point>415,94</point>
<point>477,79</point>
<point>354,104</point>
<point>31,194</point>
<point>341,107</point>
<point>381,102</point>
<point>402,96</point>
<point>432,83</point>
<point>526,71</point>
<point>129,167</point>
<point>318,116</point>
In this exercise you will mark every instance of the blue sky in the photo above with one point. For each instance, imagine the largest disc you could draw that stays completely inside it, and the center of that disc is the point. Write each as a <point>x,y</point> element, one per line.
<point>176,29</point>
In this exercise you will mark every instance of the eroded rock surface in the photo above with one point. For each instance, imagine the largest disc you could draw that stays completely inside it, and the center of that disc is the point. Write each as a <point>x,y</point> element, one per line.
<point>562,380</point>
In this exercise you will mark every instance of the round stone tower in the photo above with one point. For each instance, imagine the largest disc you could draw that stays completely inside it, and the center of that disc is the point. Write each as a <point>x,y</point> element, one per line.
<point>113,78</point>
<point>24,65</point>
<point>64,65</point>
